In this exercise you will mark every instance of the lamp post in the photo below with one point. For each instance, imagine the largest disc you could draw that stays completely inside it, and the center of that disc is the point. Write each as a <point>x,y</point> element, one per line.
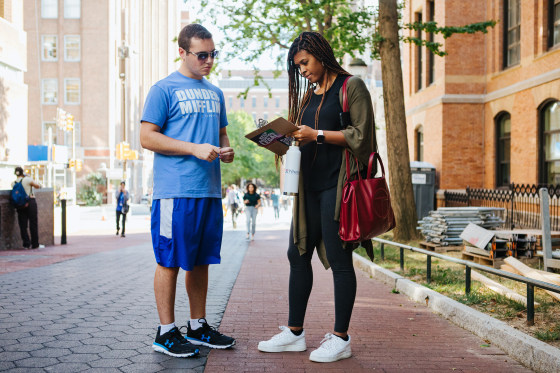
<point>123,54</point>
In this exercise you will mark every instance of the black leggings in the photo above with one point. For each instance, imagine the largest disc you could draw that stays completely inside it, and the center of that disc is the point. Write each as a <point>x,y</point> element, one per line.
<point>319,209</point>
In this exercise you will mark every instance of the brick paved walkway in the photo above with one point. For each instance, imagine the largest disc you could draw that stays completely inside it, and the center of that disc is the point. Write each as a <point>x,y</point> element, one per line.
<point>96,313</point>
<point>389,332</point>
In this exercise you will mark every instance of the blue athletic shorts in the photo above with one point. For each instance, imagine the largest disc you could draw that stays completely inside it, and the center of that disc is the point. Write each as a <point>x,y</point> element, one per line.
<point>187,232</point>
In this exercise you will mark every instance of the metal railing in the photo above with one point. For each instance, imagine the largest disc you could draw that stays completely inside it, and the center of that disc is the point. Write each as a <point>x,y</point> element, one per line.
<point>531,283</point>
<point>520,201</point>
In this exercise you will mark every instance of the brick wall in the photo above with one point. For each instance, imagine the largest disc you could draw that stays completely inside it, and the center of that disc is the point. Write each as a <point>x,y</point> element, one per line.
<point>9,228</point>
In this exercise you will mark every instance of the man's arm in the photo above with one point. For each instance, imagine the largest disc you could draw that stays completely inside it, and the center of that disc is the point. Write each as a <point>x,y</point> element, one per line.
<point>152,139</point>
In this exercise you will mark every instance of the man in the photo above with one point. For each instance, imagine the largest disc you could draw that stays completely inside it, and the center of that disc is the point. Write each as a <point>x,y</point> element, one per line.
<point>233,203</point>
<point>184,123</point>
<point>122,197</point>
<point>28,213</point>
<point>275,204</point>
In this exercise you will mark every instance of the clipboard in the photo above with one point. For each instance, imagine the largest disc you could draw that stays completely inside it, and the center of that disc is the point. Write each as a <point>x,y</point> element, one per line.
<point>273,137</point>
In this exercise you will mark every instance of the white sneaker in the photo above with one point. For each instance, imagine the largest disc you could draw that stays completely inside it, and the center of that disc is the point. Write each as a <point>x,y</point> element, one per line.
<point>332,349</point>
<point>284,341</point>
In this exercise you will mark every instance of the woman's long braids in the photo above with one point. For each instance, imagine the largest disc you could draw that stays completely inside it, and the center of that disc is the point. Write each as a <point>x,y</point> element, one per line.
<point>315,44</point>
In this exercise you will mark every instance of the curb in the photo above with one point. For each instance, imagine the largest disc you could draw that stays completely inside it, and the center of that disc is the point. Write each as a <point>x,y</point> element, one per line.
<point>527,350</point>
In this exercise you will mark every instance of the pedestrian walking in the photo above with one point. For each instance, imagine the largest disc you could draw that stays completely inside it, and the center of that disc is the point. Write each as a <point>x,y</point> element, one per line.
<point>275,204</point>
<point>252,201</point>
<point>122,198</point>
<point>184,124</point>
<point>27,209</point>
<point>315,105</point>
<point>233,203</point>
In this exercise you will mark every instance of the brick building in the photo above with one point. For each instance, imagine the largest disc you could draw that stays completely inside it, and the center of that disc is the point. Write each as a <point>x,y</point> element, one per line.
<point>488,113</point>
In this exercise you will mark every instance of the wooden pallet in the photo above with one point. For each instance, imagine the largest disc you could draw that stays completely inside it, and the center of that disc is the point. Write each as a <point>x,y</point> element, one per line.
<point>484,260</point>
<point>437,248</point>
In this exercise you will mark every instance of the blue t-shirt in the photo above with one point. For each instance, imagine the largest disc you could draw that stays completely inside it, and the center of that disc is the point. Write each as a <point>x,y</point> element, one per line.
<point>189,110</point>
<point>120,202</point>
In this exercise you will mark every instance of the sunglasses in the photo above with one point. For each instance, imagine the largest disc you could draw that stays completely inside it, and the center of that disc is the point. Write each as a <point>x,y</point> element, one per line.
<point>203,56</point>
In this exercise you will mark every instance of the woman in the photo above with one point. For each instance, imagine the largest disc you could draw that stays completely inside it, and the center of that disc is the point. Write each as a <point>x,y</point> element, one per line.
<point>252,201</point>
<point>28,212</point>
<point>315,106</point>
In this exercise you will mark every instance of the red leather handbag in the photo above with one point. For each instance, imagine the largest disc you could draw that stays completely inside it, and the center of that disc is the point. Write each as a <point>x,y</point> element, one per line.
<point>366,209</point>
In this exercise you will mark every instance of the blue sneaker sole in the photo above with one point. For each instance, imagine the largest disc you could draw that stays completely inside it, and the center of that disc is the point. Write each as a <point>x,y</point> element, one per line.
<point>159,348</point>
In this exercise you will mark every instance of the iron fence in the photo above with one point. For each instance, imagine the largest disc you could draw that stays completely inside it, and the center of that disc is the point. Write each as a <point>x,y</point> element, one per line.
<point>521,203</point>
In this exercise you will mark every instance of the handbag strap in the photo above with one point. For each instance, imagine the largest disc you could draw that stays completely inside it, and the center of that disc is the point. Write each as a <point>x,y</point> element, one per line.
<point>345,106</point>
<point>375,156</point>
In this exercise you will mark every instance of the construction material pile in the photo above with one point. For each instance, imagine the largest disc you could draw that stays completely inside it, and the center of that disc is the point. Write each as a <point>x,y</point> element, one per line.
<point>444,225</point>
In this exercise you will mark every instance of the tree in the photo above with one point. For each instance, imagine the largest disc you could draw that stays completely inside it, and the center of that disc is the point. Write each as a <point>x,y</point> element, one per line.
<point>251,161</point>
<point>256,26</point>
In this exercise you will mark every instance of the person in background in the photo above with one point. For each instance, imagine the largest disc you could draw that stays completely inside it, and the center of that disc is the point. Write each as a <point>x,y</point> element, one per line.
<point>28,213</point>
<point>252,201</point>
<point>233,203</point>
<point>122,197</point>
<point>275,204</point>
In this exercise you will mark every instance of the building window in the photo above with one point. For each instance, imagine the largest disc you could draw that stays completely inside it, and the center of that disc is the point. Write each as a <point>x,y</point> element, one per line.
<point>241,102</point>
<point>503,149</point>
<point>71,48</point>
<point>265,116</point>
<point>419,59</point>
<point>512,32</point>
<point>72,91</point>
<point>78,135</point>
<point>431,55</point>
<point>49,91</point>
<point>550,137</point>
<point>49,8</point>
<point>254,116</point>
<point>49,47</point>
<point>230,101</point>
<point>553,23</point>
<point>419,143</point>
<point>254,101</point>
<point>265,101</point>
<point>72,9</point>
<point>277,101</point>
<point>46,126</point>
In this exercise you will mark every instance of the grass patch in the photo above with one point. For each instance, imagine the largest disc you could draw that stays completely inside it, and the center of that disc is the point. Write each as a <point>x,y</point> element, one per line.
<point>448,278</point>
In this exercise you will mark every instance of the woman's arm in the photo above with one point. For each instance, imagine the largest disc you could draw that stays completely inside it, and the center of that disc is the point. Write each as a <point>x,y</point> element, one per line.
<point>305,134</point>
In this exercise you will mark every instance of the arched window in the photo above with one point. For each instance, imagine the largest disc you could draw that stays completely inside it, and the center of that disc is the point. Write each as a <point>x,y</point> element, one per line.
<point>549,118</point>
<point>419,144</point>
<point>503,146</point>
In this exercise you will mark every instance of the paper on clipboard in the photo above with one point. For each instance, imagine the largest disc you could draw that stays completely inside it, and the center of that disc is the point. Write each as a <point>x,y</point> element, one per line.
<point>273,136</point>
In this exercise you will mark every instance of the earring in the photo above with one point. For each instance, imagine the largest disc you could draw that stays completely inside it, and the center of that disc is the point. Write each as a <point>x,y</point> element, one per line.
<point>322,63</point>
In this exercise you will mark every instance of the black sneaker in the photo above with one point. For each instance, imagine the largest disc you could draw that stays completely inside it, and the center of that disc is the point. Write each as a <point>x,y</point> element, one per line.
<point>208,336</point>
<point>174,344</point>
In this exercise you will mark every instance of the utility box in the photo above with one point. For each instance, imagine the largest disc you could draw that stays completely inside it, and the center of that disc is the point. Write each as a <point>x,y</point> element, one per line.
<point>424,187</point>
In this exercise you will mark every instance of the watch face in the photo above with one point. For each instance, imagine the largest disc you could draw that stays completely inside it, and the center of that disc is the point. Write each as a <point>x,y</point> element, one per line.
<point>320,139</point>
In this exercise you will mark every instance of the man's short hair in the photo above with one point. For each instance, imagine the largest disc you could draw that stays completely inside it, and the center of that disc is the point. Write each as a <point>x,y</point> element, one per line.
<point>123,183</point>
<point>19,171</point>
<point>194,30</point>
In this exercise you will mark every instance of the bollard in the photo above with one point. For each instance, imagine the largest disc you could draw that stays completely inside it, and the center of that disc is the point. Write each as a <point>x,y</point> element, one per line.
<point>63,222</point>
<point>467,280</point>
<point>402,259</point>
<point>382,251</point>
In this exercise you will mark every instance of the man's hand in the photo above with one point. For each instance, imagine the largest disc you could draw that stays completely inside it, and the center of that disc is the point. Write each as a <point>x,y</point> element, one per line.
<point>227,154</point>
<point>206,152</point>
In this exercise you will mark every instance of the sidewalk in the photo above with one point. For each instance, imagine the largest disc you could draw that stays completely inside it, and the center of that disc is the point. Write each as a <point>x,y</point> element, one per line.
<point>389,332</point>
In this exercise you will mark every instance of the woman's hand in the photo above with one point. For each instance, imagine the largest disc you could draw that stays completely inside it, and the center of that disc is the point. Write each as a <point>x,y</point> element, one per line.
<point>304,134</point>
<point>246,201</point>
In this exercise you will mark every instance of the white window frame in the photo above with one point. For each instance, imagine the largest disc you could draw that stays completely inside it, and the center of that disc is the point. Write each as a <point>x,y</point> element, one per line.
<point>68,7</point>
<point>43,48</point>
<point>43,82</point>
<point>68,59</point>
<point>54,11</point>
<point>68,136</point>
<point>45,132</point>
<point>66,102</point>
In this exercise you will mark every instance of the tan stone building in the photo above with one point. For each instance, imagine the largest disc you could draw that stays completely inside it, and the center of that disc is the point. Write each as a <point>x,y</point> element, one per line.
<point>13,91</point>
<point>488,113</point>
<point>97,60</point>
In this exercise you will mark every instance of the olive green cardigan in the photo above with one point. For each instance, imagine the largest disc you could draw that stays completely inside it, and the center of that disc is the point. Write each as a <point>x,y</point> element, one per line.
<point>360,137</point>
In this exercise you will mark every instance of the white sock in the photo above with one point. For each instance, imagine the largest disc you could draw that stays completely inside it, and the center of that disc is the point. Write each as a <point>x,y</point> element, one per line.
<point>165,328</point>
<point>197,323</point>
